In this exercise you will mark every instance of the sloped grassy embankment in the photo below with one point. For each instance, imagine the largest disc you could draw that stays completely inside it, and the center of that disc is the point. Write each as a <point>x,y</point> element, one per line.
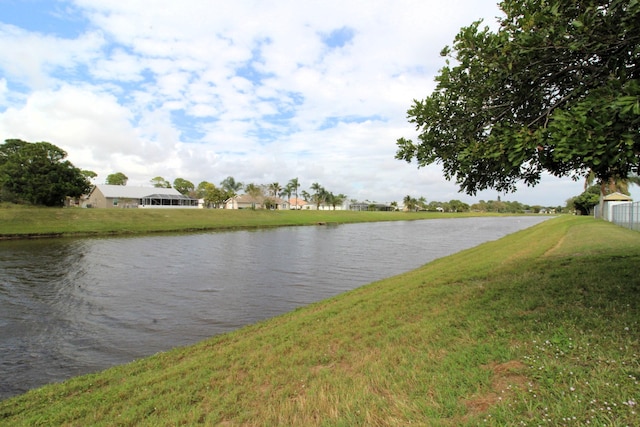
<point>538,328</point>
<point>18,222</point>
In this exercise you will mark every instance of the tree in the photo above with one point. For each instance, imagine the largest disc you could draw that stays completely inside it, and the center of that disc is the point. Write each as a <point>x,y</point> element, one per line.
<point>230,185</point>
<point>202,188</point>
<point>117,178</point>
<point>38,173</point>
<point>212,195</point>
<point>255,191</point>
<point>90,175</point>
<point>319,195</point>
<point>184,186</point>
<point>335,200</point>
<point>585,202</point>
<point>556,88</point>
<point>410,203</point>
<point>620,185</point>
<point>287,191</point>
<point>458,206</point>
<point>274,189</point>
<point>614,185</point>
<point>422,202</point>
<point>160,182</point>
<point>294,185</point>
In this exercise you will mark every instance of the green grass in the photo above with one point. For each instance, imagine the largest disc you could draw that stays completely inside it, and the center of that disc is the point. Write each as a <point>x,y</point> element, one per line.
<point>20,221</point>
<point>541,327</point>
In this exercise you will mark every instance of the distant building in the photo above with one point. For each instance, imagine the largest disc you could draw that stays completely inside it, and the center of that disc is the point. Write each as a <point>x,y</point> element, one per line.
<point>370,206</point>
<point>122,196</point>
<point>611,200</point>
<point>298,204</point>
<point>245,201</point>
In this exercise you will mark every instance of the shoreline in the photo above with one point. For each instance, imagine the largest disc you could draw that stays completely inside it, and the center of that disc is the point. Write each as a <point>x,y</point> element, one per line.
<point>28,223</point>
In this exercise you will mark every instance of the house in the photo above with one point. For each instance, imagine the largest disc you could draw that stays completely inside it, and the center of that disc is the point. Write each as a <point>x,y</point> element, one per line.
<point>611,200</point>
<point>322,207</point>
<point>245,201</point>
<point>369,206</point>
<point>122,196</point>
<point>298,204</point>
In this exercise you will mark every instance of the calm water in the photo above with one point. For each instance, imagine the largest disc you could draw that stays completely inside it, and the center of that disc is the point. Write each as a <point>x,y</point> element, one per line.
<point>73,306</point>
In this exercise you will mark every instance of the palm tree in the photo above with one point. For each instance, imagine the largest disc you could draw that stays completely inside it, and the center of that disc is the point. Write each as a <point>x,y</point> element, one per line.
<point>294,185</point>
<point>319,195</point>
<point>422,203</point>
<point>409,203</point>
<point>286,191</point>
<point>336,200</point>
<point>615,184</point>
<point>274,189</point>
<point>254,191</point>
<point>231,186</point>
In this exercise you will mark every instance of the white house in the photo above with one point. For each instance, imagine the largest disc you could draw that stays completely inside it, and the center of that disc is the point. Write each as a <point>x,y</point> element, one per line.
<point>245,201</point>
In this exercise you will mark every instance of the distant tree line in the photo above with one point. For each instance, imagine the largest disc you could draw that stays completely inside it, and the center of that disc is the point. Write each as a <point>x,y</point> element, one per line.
<point>38,173</point>
<point>493,206</point>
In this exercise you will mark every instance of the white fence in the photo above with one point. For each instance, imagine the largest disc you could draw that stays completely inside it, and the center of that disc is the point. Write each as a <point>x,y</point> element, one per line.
<point>625,215</point>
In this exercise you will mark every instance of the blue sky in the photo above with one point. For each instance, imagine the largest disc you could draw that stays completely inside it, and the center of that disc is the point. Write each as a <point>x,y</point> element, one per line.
<point>261,91</point>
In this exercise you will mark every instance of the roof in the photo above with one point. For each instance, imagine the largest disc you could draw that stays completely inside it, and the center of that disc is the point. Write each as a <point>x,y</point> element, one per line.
<point>615,197</point>
<point>297,202</point>
<point>124,192</point>
<point>246,198</point>
<point>168,196</point>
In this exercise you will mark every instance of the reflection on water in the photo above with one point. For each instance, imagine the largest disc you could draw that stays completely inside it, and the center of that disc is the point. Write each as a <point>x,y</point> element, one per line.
<point>73,306</point>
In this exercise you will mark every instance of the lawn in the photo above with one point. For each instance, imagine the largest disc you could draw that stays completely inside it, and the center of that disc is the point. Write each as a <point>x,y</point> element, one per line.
<point>20,221</point>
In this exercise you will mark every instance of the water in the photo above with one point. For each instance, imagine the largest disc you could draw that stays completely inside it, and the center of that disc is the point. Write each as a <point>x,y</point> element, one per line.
<point>74,306</point>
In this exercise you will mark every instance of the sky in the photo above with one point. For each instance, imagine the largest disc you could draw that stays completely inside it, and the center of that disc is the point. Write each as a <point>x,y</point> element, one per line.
<point>264,91</point>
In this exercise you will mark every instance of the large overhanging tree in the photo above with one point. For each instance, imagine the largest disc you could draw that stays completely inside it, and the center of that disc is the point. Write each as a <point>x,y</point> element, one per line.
<point>38,173</point>
<point>554,88</point>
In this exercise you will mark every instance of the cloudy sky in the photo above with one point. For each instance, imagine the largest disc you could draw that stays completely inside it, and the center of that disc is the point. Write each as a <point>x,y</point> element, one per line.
<point>263,91</point>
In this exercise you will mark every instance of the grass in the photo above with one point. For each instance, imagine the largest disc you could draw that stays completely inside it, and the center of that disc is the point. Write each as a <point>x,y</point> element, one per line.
<point>20,221</point>
<point>538,328</point>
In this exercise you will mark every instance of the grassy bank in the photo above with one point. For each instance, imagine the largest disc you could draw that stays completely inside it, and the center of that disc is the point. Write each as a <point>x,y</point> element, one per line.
<point>19,221</point>
<point>541,327</point>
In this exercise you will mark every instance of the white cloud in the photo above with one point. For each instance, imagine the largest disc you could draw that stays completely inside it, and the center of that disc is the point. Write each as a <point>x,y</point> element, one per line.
<point>120,66</point>
<point>3,92</point>
<point>71,117</point>
<point>34,59</point>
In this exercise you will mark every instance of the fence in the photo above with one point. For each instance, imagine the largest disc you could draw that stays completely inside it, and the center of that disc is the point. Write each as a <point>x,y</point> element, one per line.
<point>625,215</point>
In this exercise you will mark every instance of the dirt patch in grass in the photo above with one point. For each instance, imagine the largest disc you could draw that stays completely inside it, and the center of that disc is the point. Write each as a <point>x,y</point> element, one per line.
<point>507,378</point>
